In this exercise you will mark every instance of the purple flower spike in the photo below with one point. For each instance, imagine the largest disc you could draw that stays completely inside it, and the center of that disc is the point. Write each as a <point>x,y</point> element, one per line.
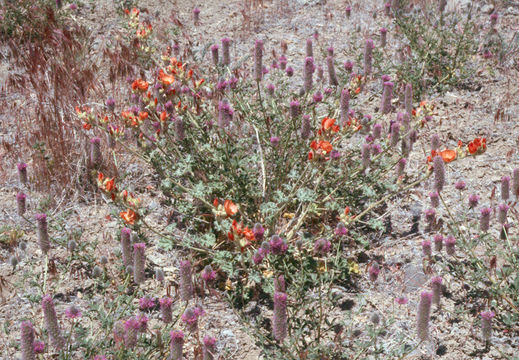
<point>486,324</point>
<point>373,272</point>
<point>368,57</point>
<point>73,312</point>
<point>110,103</point>
<point>344,105</point>
<point>208,274</point>
<point>332,76</point>
<point>435,199</point>
<point>348,66</point>
<point>408,99</point>
<point>322,247</point>
<point>39,347</point>
<point>20,203</point>
<point>473,201</point>
<point>274,141</point>
<point>317,97</point>
<point>209,350</point>
<point>341,230</point>
<point>51,322</point>
<point>436,284</point>
<point>505,188</point>
<point>400,167</point>
<point>450,245</point>
<point>309,48</point>
<point>460,185</point>
<point>438,242</point>
<point>435,142</point>
<point>377,131</point>
<point>43,235</point>
<point>501,214</point>
<point>515,183</point>
<point>22,173</point>
<point>365,155</point>
<point>426,248</point>
<point>306,127</point>
<point>439,173</point>
<point>258,60</point>
<point>383,37</point>
<point>295,109</point>
<point>177,342</point>
<point>278,246</point>
<point>308,73</point>
<point>258,231</point>
<point>290,71</point>
<point>165,309</point>
<point>395,134</point>
<point>196,15</point>
<point>348,11</point>
<point>279,284</point>
<point>279,321</point>
<point>484,220</point>
<point>225,113</point>
<point>401,300</point>
<point>27,341</point>
<point>423,315</point>
<point>126,246</point>
<point>258,256</point>
<point>96,158</point>
<point>214,54</point>
<point>226,53</point>
<point>387,95</point>
<point>139,262</point>
<point>387,9</point>
<point>186,282</point>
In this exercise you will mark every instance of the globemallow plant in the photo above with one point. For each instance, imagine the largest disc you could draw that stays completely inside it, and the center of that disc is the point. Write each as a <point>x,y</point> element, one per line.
<point>51,322</point>
<point>27,340</point>
<point>423,314</point>
<point>139,262</point>
<point>279,321</point>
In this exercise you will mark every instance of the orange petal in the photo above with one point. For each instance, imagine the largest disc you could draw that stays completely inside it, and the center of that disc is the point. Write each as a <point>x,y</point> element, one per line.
<point>230,207</point>
<point>448,155</point>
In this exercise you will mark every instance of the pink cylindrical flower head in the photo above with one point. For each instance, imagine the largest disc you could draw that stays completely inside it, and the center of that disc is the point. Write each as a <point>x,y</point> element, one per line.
<point>110,103</point>
<point>484,219</point>
<point>348,66</point>
<point>501,213</point>
<point>460,185</point>
<point>131,331</point>
<point>383,37</point>
<point>408,99</point>
<point>373,272</point>
<point>196,15</point>
<point>450,245</point>
<point>279,284</point>
<point>295,109</point>
<point>430,216</point>
<point>493,19</point>
<point>505,188</point>
<point>400,167</point>
<point>279,320</point>
<point>341,230</point>
<point>165,309</point>
<point>344,105</point>
<point>439,173</point>
<point>309,48</point>
<point>387,95</point>
<point>368,57</point>
<point>208,274</point>
<point>348,11</point>
<point>226,51</point>
<point>515,183</point>
<point>43,235</point>
<point>377,131</point>
<point>395,133</point>
<point>209,349</point>
<point>486,324</point>
<point>320,73</point>
<point>306,127</point>
<point>473,201</point>
<point>51,322</point>
<point>436,284</point>
<point>179,128</point>
<point>225,113</point>
<point>177,342</point>
<point>258,232</point>
<point>139,262</point>
<point>278,246</point>
<point>308,73</point>
<point>96,158</point>
<point>22,173</point>
<point>426,248</point>
<point>365,154</point>
<point>332,76</point>
<point>214,54</point>
<point>438,242</point>
<point>27,341</point>
<point>423,315</point>
<point>435,199</point>
<point>190,317</point>
<point>126,246</point>
<point>435,142</point>
<point>387,9</point>
<point>270,89</point>
<point>20,203</point>
<point>186,281</point>
<point>322,247</point>
<point>258,60</point>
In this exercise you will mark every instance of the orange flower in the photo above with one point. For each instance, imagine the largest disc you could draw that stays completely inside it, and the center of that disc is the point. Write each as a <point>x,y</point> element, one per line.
<point>326,146</point>
<point>129,216</point>
<point>140,85</point>
<point>165,78</point>
<point>230,207</point>
<point>163,116</point>
<point>478,145</point>
<point>143,115</point>
<point>448,155</point>
<point>328,123</point>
